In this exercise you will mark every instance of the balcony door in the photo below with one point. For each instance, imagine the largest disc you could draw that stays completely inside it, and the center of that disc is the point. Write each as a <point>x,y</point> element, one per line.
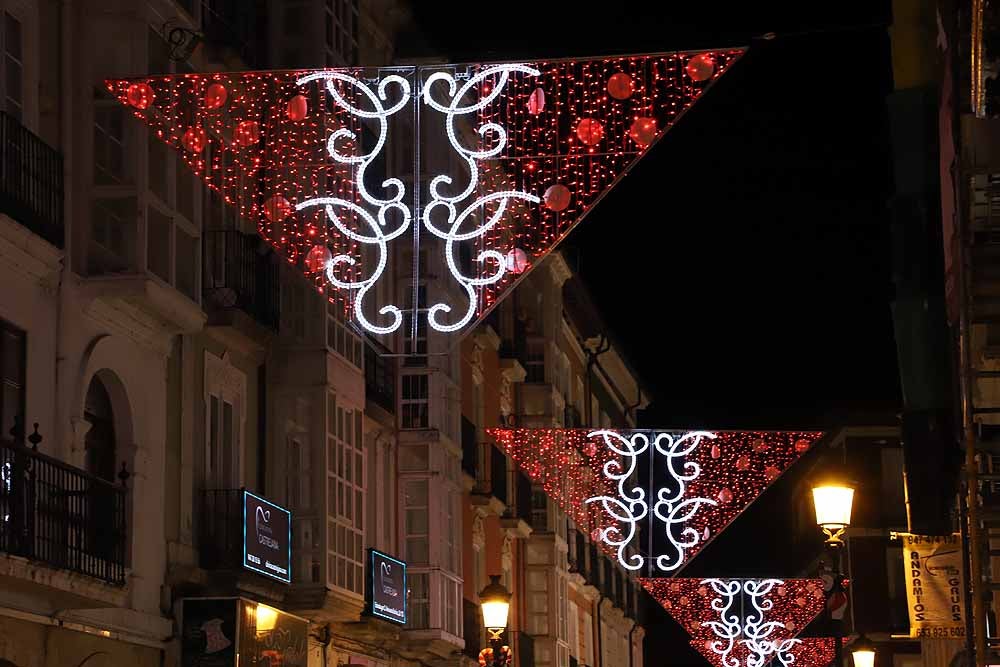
<point>98,512</point>
<point>225,398</point>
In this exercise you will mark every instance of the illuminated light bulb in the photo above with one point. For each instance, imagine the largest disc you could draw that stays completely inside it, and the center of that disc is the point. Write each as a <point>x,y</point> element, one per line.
<point>140,95</point>
<point>536,102</point>
<point>215,96</point>
<point>277,208</point>
<point>517,261</point>
<point>701,67</point>
<point>557,197</point>
<point>318,258</point>
<point>620,86</point>
<point>247,133</point>
<point>195,139</point>
<point>297,108</point>
<point>590,131</point>
<point>643,131</point>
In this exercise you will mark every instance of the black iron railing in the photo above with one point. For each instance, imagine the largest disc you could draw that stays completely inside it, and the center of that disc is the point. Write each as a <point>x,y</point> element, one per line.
<point>62,516</point>
<point>220,531</point>
<point>380,375</point>
<point>31,181</point>
<point>237,275</point>
<point>498,474</point>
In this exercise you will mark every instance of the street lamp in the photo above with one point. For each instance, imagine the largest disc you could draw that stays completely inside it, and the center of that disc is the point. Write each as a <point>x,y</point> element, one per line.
<point>495,601</point>
<point>832,501</point>
<point>863,652</point>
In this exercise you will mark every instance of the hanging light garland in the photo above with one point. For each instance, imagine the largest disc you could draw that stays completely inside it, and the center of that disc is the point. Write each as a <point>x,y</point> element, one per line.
<point>538,145</point>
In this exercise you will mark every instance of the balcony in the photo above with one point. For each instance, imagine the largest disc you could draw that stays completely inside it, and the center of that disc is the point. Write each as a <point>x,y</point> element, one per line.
<point>31,181</point>
<point>238,277</point>
<point>60,516</point>
<point>380,376</point>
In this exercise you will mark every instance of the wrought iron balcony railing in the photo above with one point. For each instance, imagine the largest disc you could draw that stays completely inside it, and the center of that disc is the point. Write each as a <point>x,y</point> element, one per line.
<point>31,181</point>
<point>380,376</point>
<point>237,275</point>
<point>62,516</point>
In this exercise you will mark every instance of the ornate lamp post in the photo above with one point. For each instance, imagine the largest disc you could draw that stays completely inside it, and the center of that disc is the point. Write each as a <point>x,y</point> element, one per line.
<point>863,652</point>
<point>833,502</point>
<point>495,601</point>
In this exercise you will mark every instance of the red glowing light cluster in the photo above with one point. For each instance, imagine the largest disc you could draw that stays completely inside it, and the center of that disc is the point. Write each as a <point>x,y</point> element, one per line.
<point>794,604</point>
<point>735,467</point>
<point>259,139</point>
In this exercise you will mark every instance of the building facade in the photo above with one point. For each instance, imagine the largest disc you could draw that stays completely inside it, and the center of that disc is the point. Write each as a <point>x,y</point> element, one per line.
<point>159,362</point>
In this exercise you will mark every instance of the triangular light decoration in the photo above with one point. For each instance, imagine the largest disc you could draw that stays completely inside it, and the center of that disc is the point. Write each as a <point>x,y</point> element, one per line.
<point>701,481</point>
<point>743,622</point>
<point>328,164</point>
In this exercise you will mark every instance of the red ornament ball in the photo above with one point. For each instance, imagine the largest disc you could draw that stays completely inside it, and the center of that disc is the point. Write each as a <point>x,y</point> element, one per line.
<point>215,96</point>
<point>643,131</point>
<point>620,86</point>
<point>801,446</point>
<point>195,139</point>
<point>716,451</point>
<point>517,262</point>
<point>298,108</point>
<point>743,463</point>
<point>782,591</point>
<point>536,102</point>
<point>590,131</point>
<point>318,258</point>
<point>557,197</point>
<point>725,496</point>
<point>701,68</point>
<point>277,208</point>
<point>771,473</point>
<point>140,95</point>
<point>247,133</point>
<point>760,446</point>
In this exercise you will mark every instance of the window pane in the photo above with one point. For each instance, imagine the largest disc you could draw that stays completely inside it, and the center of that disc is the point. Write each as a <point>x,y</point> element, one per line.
<point>228,470</point>
<point>158,161</point>
<point>113,232</point>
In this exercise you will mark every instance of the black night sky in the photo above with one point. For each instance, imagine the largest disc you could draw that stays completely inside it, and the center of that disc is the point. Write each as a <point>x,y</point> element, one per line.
<point>754,289</point>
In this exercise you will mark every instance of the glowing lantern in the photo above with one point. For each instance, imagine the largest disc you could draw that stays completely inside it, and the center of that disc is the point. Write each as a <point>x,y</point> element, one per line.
<point>194,139</point>
<point>298,108</point>
<point>590,131</point>
<point>536,102</point>
<point>215,96</point>
<point>318,258</point>
<point>140,95</point>
<point>247,133</point>
<point>517,261</point>
<point>701,68</point>
<point>620,86</point>
<point>277,208</point>
<point>557,197</point>
<point>643,131</point>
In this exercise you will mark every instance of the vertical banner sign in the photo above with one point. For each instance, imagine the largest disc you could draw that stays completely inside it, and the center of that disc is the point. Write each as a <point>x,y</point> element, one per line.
<point>386,590</point>
<point>267,538</point>
<point>934,585</point>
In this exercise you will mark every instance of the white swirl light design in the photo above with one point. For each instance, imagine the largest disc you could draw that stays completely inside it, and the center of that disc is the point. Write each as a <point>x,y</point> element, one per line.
<point>449,231</point>
<point>631,505</point>
<point>751,629</point>
<point>378,222</point>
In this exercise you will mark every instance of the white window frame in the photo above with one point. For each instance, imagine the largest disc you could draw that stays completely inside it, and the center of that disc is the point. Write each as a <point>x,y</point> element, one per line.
<point>228,384</point>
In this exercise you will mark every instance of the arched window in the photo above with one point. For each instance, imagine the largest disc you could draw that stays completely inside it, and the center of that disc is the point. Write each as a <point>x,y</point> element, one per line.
<point>100,440</point>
